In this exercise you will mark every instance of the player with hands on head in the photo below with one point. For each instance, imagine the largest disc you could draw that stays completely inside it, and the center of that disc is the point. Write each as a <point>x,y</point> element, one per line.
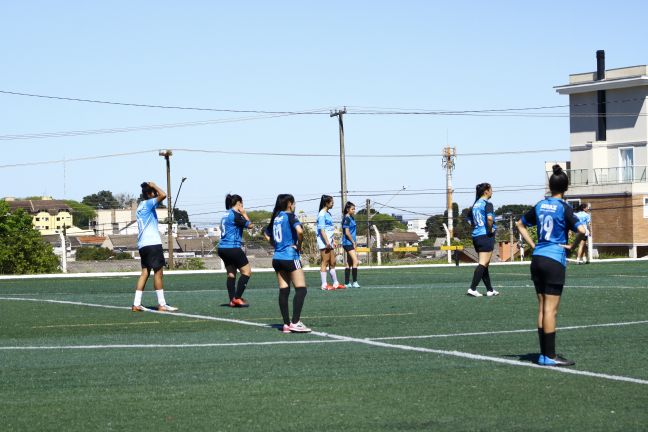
<point>553,218</point>
<point>230,249</point>
<point>149,244</point>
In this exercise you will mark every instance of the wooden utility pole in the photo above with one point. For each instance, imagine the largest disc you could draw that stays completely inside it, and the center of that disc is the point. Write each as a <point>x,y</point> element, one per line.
<point>448,162</point>
<point>368,232</point>
<point>343,182</point>
<point>167,156</point>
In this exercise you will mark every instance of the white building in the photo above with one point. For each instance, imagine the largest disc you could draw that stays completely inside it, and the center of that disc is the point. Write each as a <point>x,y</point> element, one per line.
<point>418,226</point>
<point>124,221</point>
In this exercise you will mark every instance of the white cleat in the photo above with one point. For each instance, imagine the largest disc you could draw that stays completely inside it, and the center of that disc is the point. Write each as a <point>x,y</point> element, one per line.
<point>474,293</point>
<point>299,327</point>
<point>492,293</point>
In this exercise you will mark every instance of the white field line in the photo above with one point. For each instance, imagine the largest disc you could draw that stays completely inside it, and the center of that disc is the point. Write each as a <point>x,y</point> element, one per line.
<point>139,346</point>
<point>379,344</point>
<point>270,270</point>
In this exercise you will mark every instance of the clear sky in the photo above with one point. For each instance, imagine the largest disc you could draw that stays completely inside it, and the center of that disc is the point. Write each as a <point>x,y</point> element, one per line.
<point>297,56</point>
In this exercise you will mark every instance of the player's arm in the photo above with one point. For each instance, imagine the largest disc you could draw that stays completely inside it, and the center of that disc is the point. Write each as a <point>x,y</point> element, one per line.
<point>161,195</point>
<point>242,220</point>
<point>248,223</point>
<point>490,220</point>
<point>300,237</point>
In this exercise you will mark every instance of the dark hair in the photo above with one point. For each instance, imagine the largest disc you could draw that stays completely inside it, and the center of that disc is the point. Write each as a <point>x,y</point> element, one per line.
<point>558,182</point>
<point>348,206</point>
<point>325,200</point>
<point>231,200</point>
<point>146,190</point>
<point>480,189</point>
<point>583,207</point>
<point>280,205</point>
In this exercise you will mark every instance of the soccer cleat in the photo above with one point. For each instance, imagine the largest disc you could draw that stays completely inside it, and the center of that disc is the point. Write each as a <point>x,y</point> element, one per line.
<point>299,327</point>
<point>474,293</point>
<point>232,304</point>
<point>339,286</point>
<point>166,308</point>
<point>327,287</point>
<point>556,361</point>
<point>239,302</point>
<point>138,308</point>
<point>492,293</point>
<point>355,285</point>
<point>286,329</point>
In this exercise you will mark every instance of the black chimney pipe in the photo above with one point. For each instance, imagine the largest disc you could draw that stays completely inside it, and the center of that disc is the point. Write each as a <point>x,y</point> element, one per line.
<point>601,129</point>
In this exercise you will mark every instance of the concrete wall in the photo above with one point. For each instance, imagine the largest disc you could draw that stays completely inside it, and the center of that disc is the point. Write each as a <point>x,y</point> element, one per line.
<point>211,263</point>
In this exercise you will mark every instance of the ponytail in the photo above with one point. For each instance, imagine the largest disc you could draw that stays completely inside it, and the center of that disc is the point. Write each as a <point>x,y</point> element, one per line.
<point>280,205</point>
<point>558,182</point>
<point>232,200</point>
<point>324,201</point>
<point>347,207</point>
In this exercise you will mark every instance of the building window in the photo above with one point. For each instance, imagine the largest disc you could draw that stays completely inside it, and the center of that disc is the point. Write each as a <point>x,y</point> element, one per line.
<point>574,203</point>
<point>645,207</point>
<point>626,164</point>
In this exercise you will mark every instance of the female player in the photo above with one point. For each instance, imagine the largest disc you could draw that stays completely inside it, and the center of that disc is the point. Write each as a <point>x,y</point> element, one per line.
<point>326,242</point>
<point>286,235</point>
<point>349,245</point>
<point>483,237</point>
<point>553,218</point>
<point>230,251</point>
<point>584,216</point>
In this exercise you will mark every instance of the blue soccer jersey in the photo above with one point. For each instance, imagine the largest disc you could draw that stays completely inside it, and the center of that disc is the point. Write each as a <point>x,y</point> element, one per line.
<point>284,236</point>
<point>325,222</point>
<point>480,212</point>
<point>232,226</point>
<point>554,218</point>
<point>584,217</point>
<point>350,223</point>
<point>147,224</point>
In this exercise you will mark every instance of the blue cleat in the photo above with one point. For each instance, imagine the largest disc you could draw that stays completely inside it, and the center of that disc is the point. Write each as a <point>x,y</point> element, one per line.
<point>556,361</point>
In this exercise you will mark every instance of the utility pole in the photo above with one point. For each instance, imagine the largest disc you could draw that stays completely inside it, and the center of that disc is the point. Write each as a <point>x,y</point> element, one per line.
<point>368,232</point>
<point>511,238</point>
<point>448,162</point>
<point>343,182</point>
<point>166,154</point>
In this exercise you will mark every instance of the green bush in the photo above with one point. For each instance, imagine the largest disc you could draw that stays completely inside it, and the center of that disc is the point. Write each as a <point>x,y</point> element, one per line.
<point>191,264</point>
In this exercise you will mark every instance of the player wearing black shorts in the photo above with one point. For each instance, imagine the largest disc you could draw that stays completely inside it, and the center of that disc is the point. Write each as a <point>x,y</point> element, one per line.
<point>285,233</point>
<point>482,220</point>
<point>230,249</point>
<point>349,245</point>
<point>554,218</point>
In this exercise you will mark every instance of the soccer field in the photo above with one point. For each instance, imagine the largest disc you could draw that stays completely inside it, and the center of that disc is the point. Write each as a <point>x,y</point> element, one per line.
<point>407,351</point>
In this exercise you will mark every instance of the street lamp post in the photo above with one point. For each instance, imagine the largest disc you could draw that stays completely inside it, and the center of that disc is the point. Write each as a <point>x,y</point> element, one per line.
<point>166,154</point>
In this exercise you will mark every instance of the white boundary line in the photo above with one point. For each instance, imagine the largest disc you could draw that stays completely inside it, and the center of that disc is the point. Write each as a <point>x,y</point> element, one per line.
<point>374,343</point>
<point>270,270</point>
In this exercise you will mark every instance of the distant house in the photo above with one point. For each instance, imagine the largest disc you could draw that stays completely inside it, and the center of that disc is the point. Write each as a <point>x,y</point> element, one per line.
<point>399,239</point>
<point>49,216</point>
<point>199,246</point>
<point>418,226</point>
<point>128,243</point>
<point>76,242</point>
<point>124,221</point>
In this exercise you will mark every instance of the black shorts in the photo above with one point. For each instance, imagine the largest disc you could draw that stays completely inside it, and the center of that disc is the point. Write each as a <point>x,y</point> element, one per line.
<point>484,243</point>
<point>548,275</point>
<point>286,265</point>
<point>348,247</point>
<point>233,257</point>
<point>152,257</point>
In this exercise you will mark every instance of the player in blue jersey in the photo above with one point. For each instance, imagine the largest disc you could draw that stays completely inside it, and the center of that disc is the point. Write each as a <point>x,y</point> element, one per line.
<point>554,218</point>
<point>482,220</point>
<point>149,244</point>
<point>583,214</point>
<point>286,234</point>
<point>326,243</point>
<point>349,245</point>
<point>230,250</point>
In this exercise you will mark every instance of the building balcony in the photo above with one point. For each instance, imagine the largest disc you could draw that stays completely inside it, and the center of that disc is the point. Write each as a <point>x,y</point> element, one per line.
<point>606,176</point>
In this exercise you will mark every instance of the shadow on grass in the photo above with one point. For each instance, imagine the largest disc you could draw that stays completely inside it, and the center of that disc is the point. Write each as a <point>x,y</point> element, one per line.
<point>529,357</point>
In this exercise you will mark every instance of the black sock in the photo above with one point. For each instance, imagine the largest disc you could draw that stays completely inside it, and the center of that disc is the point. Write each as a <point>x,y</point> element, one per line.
<point>550,344</point>
<point>242,284</point>
<point>541,339</point>
<point>284,293</point>
<point>477,276</point>
<point>486,279</point>
<point>354,274</point>
<point>230,287</point>
<point>298,303</point>
<point>347,272</point>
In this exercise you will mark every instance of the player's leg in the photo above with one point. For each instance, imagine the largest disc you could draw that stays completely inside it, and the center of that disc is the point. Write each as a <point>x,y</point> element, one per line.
<point>158,275</point>
<point>230,282</point>
<point>324,261</point>
<point>283,280</point>
<point>139,289</point>
<point>331,264</point>
<point>299,282</point>
<point>353,256</point>
<point>246,272</point>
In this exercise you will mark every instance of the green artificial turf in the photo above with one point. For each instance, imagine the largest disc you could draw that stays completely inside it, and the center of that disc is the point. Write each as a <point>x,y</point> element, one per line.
<point>243,377</point>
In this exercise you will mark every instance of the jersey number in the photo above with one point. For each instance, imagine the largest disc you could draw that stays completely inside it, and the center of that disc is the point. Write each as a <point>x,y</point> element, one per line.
<point>276,233</point>
<point>479,219</point>
<point>546,226</point>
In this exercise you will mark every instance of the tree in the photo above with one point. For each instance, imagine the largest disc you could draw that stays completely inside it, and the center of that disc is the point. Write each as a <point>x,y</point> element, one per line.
<point>460,224</point>
<point>81,213</point>
<point>101,200</point>
<point>259,217</point>
<point>518,210</point>
<point>181,217</point>
<point>22,248</point>
<point>383,222</point>
<point>125,200</point>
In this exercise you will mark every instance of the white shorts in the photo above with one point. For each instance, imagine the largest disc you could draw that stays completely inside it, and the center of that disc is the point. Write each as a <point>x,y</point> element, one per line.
<point>320,243</point>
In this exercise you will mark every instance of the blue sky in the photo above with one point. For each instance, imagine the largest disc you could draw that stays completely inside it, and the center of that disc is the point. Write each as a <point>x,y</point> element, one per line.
<point>294,56</point>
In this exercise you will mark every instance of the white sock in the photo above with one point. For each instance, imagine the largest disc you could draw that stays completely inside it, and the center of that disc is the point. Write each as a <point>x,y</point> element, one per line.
<point>138,298</point>
<point>334,276</point>
<point>323,276</point>
<point>160,296</point>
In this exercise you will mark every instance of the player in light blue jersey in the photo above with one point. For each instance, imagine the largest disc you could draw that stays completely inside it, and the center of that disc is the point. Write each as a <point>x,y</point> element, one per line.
<point>553,218</point>
<point>230,249</point>
<point>482,219</point>
<point>149,244</point>
<point>286,234</point>
<point>349,245</point>
<point>326,243</point>
<point>584,216</point>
